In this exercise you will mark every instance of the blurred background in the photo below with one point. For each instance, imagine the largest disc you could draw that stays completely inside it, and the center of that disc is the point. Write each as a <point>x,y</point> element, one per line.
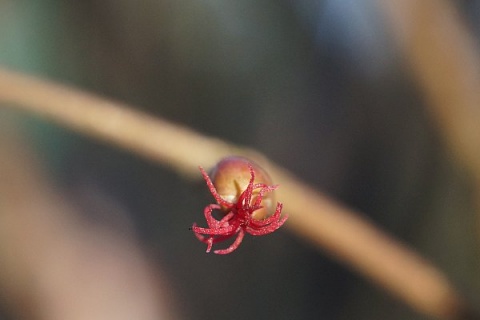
<point>320,87</point>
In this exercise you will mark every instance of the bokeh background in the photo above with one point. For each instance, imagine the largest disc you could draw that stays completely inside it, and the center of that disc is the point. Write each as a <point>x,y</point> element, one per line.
<point>320,87</point>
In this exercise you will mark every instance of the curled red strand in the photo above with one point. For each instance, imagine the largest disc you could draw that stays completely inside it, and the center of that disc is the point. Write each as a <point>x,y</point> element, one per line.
<point>238,219</point>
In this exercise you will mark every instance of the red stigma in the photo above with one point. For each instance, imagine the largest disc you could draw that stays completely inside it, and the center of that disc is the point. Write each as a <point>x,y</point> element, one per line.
<point>238,219</point>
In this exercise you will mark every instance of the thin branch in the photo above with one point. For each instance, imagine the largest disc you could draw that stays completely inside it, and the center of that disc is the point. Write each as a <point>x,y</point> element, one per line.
<point>333,228</point>
<point>444,59</point>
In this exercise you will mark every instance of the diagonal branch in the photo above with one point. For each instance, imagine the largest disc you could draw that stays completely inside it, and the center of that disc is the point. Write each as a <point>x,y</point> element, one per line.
<point>333,228</point>
<point>444,59</point>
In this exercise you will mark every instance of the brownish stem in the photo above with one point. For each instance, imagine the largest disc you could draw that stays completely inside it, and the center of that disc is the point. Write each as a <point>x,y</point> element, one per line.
<point>444,59</point>
<point>333,228</point>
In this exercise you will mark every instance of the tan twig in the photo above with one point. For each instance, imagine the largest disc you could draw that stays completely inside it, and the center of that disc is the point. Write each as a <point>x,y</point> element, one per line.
<point>343,234</point>
<point>444,59</point>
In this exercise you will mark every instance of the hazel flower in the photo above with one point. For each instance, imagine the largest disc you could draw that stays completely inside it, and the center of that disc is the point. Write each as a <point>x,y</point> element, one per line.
<point>244,196</point>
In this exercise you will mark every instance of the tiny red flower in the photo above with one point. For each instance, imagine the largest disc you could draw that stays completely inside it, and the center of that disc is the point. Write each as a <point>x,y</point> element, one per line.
<point>243,210</point>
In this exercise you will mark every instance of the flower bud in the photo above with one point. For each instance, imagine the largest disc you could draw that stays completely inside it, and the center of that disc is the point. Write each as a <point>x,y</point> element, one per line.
<point>231,177</point>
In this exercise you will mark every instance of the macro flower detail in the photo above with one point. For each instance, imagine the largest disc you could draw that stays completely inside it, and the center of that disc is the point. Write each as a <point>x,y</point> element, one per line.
<point>244,202</point>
